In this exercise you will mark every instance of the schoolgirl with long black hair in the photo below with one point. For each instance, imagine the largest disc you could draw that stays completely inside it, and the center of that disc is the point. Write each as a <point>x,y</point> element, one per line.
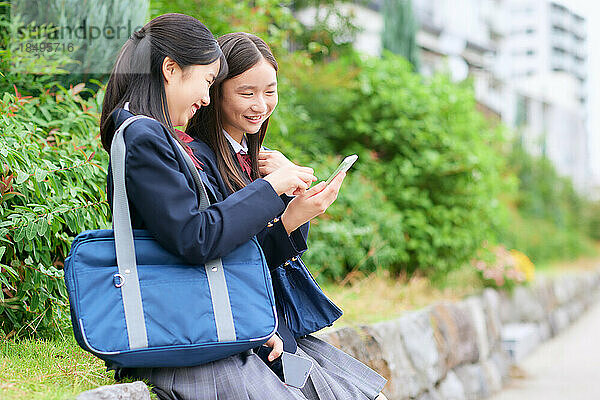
<point>227,138</point>
<point>164,71</point>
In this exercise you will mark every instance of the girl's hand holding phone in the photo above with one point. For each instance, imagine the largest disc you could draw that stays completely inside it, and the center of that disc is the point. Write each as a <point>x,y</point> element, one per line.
<point>291,179</point>
<point>311,203</point>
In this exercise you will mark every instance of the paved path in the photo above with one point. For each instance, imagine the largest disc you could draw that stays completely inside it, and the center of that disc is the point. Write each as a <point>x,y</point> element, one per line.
<point>566,367</point>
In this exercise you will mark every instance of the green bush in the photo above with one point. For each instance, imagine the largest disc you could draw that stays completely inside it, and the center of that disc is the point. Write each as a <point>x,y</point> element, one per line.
<point>292,129</point>
<point>544,242</point>
<point>423,144</point>
<point>543,193</point>
<point>274,22</point>
<point>52,187</point>
<point>549,220</point>
<point>360,232</point>
<point>269,19</point>
<point>30,84</point>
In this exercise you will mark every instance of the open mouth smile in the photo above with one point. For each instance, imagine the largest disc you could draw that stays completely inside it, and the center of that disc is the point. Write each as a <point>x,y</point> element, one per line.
<point>254,118</point>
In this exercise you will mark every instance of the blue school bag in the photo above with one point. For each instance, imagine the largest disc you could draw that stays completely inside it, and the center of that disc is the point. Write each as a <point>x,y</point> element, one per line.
<point>305,307</point>
<point>134,304</point>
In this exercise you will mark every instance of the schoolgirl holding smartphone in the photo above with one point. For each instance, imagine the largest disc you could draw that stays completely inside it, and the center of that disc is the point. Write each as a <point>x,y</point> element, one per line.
<point>226,136</point>
<point>164,71</point>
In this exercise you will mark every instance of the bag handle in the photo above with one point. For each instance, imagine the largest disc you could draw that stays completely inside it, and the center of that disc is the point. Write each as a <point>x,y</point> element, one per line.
<point>125,251</point>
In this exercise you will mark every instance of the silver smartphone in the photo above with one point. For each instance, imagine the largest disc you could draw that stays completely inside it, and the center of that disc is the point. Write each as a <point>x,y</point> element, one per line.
<point>344,166</point>
<point>295,369</point>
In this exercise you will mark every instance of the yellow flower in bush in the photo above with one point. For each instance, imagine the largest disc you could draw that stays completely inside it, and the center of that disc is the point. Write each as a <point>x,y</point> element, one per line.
<point>505,268</point>
<point>523,264</point>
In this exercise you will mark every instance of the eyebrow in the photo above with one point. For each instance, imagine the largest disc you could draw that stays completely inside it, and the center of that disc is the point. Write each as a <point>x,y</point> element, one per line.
<point>246,87</point>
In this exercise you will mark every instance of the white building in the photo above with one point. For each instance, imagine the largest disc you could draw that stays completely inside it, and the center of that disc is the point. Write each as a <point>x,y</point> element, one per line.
<point>544,58</point>
<point>544,37</point>
<point>467,32</point>
<point>527,59</point>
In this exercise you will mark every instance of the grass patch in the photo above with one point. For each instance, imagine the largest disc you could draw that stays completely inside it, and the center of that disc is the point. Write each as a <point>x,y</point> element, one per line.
<point>379,297</point>
<point>53,369</point>
<point>551,269</point>
<point>49,369</point>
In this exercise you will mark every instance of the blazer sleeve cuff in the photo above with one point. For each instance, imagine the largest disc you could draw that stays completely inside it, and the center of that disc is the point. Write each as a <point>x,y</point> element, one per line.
<point>285,246</point>
<point>298,238</point>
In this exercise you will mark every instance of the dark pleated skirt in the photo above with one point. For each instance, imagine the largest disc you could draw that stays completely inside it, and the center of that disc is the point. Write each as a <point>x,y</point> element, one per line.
<point>334,376</point>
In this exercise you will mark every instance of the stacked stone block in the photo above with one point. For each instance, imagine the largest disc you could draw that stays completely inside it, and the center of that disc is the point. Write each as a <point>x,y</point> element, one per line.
<point>450,351</point>
<point>454,351</point>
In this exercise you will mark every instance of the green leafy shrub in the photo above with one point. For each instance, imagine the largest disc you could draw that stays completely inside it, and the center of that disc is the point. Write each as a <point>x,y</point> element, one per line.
<point>269,19</point>
<point>293,131</point>
<point>425,146</point>
<point>52,187</point>
<point>31,84</point>
<point>543,241</point>
<point>549,220</point>
<point>360,232</point>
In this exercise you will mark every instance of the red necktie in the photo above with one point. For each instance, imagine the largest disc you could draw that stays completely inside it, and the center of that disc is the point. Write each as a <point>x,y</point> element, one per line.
<point>244,160</point>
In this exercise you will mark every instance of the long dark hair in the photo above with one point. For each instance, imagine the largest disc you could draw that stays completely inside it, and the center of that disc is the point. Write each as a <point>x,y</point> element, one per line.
<point>137,75</point>
<point>242,51</point>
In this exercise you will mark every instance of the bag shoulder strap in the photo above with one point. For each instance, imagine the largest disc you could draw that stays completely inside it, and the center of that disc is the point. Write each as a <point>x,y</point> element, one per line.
<point>124,247</point>
<point>125,251</point>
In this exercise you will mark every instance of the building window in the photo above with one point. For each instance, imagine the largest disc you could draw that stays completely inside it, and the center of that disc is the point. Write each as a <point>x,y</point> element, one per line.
<point>559,30</point>
<point>558,8</point>
<point>522,114</point>
<point>559,51</point>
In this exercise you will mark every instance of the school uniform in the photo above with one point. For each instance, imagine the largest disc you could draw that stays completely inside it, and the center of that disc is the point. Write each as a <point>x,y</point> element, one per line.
<point>164,201</point>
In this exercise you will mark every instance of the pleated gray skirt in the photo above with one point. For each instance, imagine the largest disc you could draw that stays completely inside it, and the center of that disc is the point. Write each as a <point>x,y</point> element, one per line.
<point>334,376</point>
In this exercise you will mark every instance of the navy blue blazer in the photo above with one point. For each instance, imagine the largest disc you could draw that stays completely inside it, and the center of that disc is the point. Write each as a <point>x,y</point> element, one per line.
<point>163,200</point>
<point>274,240</point>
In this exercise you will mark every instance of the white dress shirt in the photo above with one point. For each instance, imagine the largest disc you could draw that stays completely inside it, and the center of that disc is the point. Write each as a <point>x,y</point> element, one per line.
<point>243,148</point>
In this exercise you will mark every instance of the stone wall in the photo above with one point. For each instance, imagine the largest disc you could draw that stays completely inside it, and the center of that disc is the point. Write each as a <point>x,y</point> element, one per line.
<point>453,351</point>
<point>464,350</point>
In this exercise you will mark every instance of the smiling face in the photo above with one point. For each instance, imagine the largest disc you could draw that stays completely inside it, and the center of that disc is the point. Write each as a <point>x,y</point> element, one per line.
<point>187,90</point>
<point>249,99</point>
